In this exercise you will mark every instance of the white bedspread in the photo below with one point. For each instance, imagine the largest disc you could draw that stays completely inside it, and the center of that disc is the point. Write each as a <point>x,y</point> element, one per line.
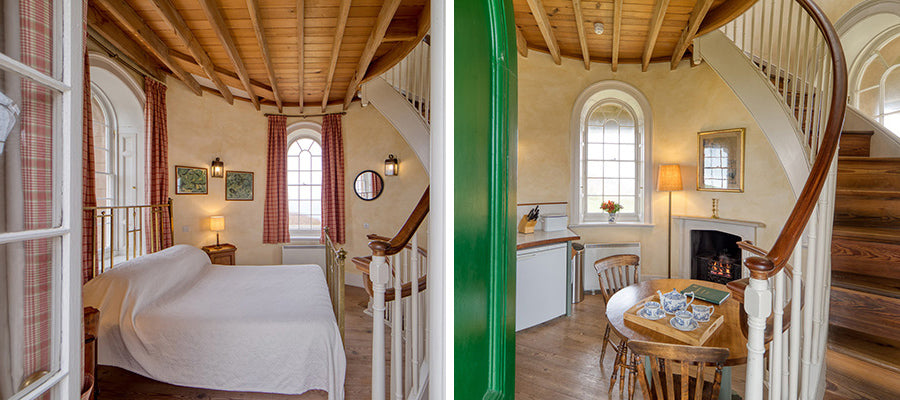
<point>174,317</point>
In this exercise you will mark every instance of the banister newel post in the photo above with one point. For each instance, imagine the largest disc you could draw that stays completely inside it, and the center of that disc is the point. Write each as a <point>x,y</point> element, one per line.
<point>758,305</point>
<point>380,275</point>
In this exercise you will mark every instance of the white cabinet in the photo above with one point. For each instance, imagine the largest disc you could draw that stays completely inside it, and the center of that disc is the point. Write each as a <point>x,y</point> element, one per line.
<point>540,284</point>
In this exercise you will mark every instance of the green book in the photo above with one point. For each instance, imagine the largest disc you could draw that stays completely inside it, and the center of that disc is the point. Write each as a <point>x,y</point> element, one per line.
<point>704,293</point>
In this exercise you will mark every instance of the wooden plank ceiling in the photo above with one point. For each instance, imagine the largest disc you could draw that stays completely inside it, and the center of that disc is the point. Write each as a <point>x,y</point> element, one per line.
<point>634,31</point>
<point>259,49</point>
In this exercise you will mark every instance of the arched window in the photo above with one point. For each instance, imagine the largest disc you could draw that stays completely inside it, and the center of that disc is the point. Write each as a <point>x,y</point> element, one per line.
<point>106,149</point>
<point>877,87</point>
<point>304,180</point>
<point>610,145</point>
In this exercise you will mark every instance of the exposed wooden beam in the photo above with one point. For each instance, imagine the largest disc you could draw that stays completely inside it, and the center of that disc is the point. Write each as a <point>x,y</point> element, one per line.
<point>343,13</point>
<point>230,78</point>
<point>521,44</point>
<point>617,32</point>
<point>214,16</point>
<point>543,22</point>
<point>381,24</point>
<point>109,32</point>
<point>656,20</point>
<point>172,17</point>
<point>579,25</point>
<point>301,18</point>
<point>723,14</point>
<point>690,30</point>
<point>135,25</point>
<point>256,21</point>
<point>399,52</point>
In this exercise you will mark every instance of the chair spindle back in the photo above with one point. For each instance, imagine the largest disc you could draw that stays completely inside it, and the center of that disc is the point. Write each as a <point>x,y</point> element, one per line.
<point>677,371</point>
<point>617,272</point>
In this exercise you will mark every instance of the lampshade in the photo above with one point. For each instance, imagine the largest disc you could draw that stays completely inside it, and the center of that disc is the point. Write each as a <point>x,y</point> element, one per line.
<point>669,178</point>
<point>391,166</point>
<point>217,223</point>
<point>217,169</point>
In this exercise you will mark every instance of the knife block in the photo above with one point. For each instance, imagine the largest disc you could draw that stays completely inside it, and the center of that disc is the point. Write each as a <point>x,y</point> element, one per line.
<point>526,226</point>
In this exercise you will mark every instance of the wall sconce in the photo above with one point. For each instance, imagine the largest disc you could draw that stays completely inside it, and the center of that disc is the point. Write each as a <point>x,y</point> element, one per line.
<point>391,166</point>
<point>218,168</point>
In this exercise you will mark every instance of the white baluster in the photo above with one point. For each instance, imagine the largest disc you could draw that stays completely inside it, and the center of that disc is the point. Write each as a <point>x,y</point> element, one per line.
<point>758,304</point>
<point>380,275</point>
<point>396,333</point>
<point>414,296</point>
<point>775,354</point>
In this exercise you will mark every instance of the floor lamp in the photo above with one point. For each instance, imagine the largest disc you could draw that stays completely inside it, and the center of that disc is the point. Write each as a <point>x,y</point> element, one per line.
<point>669,180</point>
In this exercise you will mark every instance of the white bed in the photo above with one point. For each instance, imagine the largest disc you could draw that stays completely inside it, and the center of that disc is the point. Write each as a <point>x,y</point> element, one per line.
<point>174,317</point>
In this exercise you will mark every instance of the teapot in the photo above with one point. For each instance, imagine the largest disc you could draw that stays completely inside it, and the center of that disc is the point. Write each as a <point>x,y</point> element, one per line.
<point>674,301</point>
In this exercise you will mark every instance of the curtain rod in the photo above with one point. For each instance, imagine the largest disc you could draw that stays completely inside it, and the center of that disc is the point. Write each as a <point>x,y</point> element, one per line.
<point>113,54</point>
<point>303,115</point>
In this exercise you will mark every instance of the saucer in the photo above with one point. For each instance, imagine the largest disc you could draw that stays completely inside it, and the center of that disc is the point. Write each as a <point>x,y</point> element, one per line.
<point>693,325</point>
<point>644,315</point>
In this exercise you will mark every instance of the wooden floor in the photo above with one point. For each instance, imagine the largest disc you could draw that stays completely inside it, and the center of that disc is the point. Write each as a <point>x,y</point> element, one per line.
<point>118,384</point>
<point>559,359</point>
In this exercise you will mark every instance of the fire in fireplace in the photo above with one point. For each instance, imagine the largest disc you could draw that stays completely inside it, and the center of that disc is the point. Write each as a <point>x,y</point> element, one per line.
<point>715,256</point>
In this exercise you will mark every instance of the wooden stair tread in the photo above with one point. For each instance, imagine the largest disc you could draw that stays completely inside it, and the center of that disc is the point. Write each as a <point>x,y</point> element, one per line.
<point>879,351</point>
<point>866,283</point>
<point>875,234</point>
<point>881,193</point>
<point>870,159</point>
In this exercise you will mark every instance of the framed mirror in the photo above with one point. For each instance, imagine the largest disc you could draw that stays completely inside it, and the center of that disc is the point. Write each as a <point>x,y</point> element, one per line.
<point>721,163</point>
<point>368,185</point>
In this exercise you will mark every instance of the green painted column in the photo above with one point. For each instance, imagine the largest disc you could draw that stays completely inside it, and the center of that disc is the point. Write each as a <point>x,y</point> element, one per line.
<point>485,198</point>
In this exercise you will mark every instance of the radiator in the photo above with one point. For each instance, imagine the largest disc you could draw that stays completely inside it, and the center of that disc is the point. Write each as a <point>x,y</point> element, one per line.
<point>594,252</point>
<point>296,254</point>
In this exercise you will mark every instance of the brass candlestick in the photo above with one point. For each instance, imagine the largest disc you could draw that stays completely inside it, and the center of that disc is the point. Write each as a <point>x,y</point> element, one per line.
<point>715,208</point>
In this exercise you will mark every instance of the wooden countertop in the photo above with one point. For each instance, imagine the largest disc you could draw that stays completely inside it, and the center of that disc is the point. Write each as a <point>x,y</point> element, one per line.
<point>541,238</point>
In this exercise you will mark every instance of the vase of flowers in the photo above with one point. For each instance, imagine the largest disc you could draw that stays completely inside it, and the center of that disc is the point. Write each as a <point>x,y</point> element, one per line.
<point>613,209</point>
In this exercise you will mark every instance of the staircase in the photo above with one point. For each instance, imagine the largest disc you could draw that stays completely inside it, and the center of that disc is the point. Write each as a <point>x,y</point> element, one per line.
<point>863,355</point>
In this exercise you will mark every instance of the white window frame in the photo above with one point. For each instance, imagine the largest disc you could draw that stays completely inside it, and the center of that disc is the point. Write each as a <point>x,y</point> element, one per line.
<point>640,107</point>
<point>112,149</point>
<point>873,49</point>
<point>66,308</point>
<point>296,131</point>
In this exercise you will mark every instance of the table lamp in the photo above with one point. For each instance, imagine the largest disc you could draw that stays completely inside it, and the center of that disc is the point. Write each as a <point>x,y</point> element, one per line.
<point>669,180</point>
<point>217,224</point>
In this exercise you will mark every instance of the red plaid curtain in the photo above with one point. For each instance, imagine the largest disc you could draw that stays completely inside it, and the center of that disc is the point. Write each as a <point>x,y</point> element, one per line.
<point>157,158</point>
<point>333,213</point>
<point>88,185</point>
<point>36,147</point>
<point>275,218</point>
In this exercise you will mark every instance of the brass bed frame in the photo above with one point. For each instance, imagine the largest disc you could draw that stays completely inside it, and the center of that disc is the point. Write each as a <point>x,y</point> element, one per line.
<point>122,233</point>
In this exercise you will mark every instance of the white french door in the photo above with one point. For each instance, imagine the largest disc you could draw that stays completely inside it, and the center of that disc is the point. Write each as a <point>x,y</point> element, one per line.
<point>41,89</point>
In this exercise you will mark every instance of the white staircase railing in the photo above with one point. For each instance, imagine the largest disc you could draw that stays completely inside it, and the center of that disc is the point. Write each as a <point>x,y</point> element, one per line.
<point>411,77</point>
<point>400,301</point>
<point>792,44</point>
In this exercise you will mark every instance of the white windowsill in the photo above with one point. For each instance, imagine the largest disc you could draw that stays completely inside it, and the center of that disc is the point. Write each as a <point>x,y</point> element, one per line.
<point>609,225</point>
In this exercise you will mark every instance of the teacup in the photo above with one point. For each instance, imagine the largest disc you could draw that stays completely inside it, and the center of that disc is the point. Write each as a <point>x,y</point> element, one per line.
<point>702,313</point>
<point>652,309</point>
<point>682,319</point>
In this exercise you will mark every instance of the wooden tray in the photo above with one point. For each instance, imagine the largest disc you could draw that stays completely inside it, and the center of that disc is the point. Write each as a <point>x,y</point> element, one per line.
<point>696,337</point>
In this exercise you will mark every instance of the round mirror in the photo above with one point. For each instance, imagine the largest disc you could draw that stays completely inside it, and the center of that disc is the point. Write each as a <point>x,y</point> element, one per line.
<point>368,185</point>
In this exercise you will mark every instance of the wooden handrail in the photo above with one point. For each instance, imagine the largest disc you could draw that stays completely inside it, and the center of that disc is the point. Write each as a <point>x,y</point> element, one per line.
<point>375,236</point>
<point>399,241</point>
<point>766,267</point>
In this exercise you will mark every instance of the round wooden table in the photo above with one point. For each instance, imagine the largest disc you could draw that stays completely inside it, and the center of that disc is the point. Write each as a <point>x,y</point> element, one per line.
<point>728,335</point>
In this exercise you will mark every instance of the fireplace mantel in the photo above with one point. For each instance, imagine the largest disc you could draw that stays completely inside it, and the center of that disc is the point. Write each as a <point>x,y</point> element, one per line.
<point>681,239</point>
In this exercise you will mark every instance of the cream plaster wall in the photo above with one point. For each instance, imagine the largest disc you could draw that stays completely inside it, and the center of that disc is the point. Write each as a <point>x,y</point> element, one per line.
<point>206,127</point>
<point>683,102</point>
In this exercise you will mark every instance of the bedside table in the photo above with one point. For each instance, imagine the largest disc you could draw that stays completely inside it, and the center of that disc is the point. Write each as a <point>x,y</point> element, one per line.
<point>223,254</point>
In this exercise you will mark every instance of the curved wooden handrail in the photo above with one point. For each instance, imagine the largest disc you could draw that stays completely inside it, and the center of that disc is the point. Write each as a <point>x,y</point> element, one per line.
<point>765,267</point>
<point>400,240</point>
<point>375,236</point>
<point>362,265</point>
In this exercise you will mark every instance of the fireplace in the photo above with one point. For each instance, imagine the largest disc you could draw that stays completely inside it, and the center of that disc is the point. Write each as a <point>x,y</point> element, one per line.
<point>715,256</point>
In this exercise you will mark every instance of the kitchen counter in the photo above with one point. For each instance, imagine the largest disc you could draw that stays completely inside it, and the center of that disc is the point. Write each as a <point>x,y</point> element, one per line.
<point>541,238</point>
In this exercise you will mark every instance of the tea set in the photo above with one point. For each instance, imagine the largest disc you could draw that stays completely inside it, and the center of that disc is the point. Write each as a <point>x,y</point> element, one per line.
<point>676,304</point>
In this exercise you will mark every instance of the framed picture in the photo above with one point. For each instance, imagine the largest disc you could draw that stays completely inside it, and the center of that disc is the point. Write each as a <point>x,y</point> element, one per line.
<point>191,180</point>
<point>238,185</point>
<point>721,164</point>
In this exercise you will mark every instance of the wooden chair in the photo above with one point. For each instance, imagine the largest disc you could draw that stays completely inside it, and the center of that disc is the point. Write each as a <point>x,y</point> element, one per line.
<point>676,371</point>
<point>615,273</point>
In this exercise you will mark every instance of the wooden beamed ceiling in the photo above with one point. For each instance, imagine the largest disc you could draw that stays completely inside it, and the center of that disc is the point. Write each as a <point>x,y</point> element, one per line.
<point>634,31</point>
<point>265,51</point>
